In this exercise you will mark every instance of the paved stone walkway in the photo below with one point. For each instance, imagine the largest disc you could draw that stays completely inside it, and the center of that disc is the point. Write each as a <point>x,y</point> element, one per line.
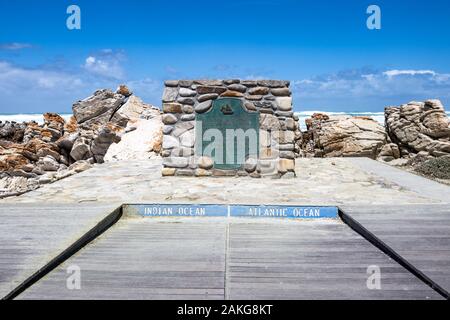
<point>320,181</point>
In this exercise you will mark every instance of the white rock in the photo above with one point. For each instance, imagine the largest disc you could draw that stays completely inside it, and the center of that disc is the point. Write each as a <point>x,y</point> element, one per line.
<point>284,103</point>
<point>188,139</point>
<point>141,143</point>
<point>185,92</point>
<point>132,110</point>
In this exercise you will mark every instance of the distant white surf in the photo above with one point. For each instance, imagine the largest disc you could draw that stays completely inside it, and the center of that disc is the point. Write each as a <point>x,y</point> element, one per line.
<point>377,116</point>
<point>26,117</point>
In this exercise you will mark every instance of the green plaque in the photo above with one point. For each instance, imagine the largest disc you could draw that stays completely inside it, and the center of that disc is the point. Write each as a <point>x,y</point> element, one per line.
<point>227,133</point>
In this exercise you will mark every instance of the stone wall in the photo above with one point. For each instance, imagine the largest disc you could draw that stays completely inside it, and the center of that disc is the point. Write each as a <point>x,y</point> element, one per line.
<point>279,130</point>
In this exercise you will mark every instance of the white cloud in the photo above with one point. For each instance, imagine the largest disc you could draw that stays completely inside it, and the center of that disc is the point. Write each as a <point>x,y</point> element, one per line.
<point>394,73</point>
<point>13,77</point>
<point>107,63</point>
<point>362,89</point>
<point>52,88</point>
<point>14,46</point>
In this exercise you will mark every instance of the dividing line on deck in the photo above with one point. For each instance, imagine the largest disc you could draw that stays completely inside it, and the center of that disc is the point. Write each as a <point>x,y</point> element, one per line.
<point>363,227</point>
<point>81,242</point>
<point>377,242</point>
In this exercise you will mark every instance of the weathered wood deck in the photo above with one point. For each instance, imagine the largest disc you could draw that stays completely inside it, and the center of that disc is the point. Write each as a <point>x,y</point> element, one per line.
<point>419,234</point>
<point>34,237</point>
<point>216,258</point>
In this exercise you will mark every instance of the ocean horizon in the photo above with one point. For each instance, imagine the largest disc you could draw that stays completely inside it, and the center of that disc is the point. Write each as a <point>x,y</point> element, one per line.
<point>303,115</point>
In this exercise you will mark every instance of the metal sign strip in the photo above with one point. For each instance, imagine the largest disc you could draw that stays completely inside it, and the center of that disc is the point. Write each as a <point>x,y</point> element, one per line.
<point>221,210</point>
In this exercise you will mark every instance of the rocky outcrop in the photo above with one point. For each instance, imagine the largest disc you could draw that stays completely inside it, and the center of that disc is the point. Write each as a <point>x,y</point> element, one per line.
<point>419,127</point>
<point>32,154</point>
<point>342,136</point>
<point>414,133</point>
<point>141,140</point>
<point>102,120</point>
<point>12,131</point>
<point>36,158</point>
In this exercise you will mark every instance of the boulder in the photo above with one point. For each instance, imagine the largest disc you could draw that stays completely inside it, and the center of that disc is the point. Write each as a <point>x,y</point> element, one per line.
<point>343,136</point>
<point>97,109</point>
<point>131,110</point>
<point>419,126</point>
<point>12,131</point>
<point>140,144</point>
<point>81,149</point>
<point>102,142</point>
<point>124,90</point>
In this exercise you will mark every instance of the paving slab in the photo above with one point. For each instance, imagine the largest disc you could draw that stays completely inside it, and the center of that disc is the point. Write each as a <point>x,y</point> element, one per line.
<point>419,234</point>
<point>409,181</point>
<point>33,236</point>
<point>324,182</point>
<point>234,258</point>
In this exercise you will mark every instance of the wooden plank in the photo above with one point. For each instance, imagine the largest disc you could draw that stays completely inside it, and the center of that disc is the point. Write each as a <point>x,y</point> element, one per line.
<point>312,261</point>
<point>145,259</point>
<point>211,258</point>
<point>34,235</point>
<point>419,234</point>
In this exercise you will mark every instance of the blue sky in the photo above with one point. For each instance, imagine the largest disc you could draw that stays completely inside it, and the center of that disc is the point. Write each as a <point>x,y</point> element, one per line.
<point>334,62</point>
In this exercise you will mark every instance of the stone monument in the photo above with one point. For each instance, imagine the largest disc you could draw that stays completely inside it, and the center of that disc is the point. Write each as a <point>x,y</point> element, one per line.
<point>229,128</point>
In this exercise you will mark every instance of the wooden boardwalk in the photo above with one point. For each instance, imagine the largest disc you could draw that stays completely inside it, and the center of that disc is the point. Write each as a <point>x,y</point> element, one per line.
<point>218,258</point>
<point>34,237</point>
<point>419,234</point>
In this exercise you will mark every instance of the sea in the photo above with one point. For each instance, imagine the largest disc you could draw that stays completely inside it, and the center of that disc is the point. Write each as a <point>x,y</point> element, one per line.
<point>377,116</point>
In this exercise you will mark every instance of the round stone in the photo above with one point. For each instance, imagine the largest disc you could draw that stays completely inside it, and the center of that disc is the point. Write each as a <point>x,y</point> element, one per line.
<point>237,87</point>
<point>188,109</point>
<point>210,89</point>
<point>281,92</point>
<point>189,101</point>
<point>171,83</point>
<point>273,83</point>
<point>250,106</point>
<point>258,91</point>
<point>188,139</point>
<point>287,154</point>
<point>176,162</point>
<point>170,94</point>
<point>230,93</point>
<point>205,163</point>
<point>185,92</point>
<point>202,173</point>
<point>250,165</point>
<point>186,83</point>
<point>170,142</point>
<point>254,98</point>
<point>168,172</point>
<point>172,108</point>
<point>167,129</point>
<point>208,96</point>
<point>203,107</point>
<point>188,117</point>
<point>284,103</point>
<point>169,118</point>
